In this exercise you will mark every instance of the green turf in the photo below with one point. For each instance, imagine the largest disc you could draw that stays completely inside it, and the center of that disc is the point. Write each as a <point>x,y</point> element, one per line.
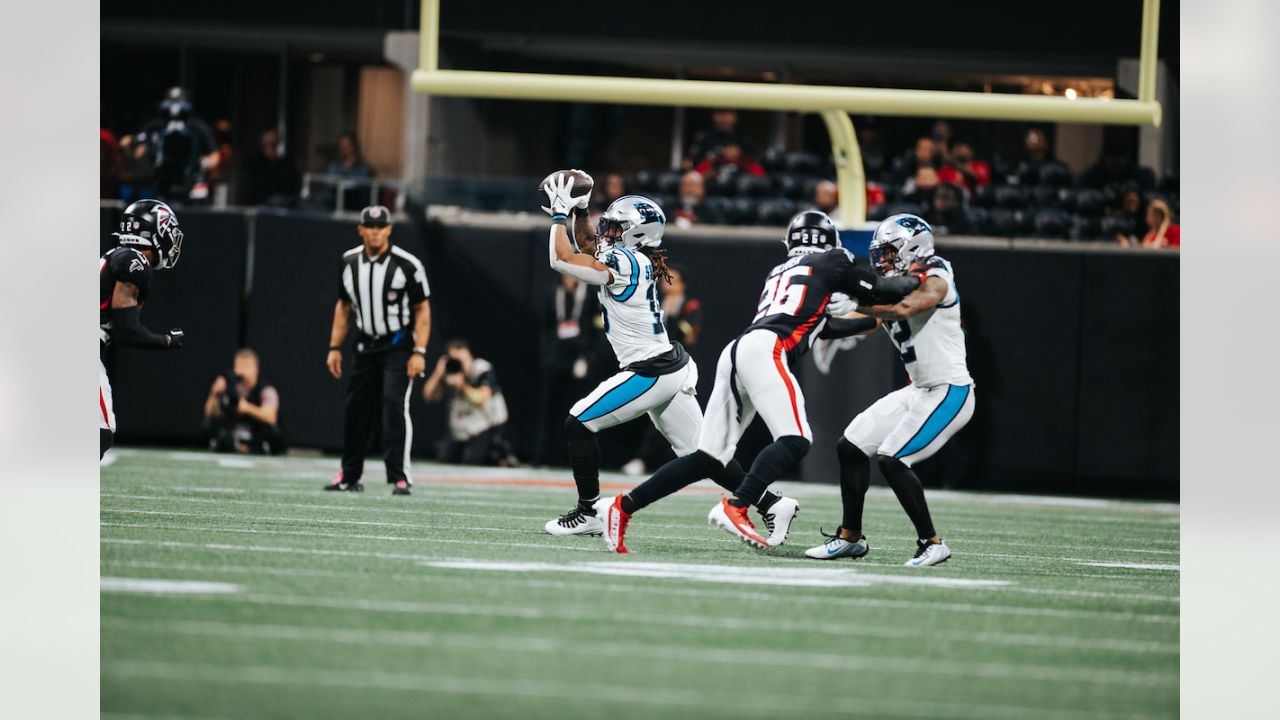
<point>340,607</point>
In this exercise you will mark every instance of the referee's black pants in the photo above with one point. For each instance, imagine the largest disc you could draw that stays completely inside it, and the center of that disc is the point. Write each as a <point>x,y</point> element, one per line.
<point>378,379</point>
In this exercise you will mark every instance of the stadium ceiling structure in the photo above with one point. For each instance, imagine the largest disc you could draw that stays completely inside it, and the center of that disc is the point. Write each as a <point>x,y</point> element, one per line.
<point>833,103</point>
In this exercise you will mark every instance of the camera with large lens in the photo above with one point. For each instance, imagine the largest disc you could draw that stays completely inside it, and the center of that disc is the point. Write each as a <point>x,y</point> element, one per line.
<point>452,366</point>
<point>229,399</point>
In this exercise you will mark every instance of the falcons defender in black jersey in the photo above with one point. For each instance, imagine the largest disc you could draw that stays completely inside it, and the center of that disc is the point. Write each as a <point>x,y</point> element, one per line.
<point>754,375</point>
<point>149,238</point>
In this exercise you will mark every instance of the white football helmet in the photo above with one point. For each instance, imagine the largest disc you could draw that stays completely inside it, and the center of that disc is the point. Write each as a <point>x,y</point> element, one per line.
<point>900,241</point>
<point>630,221</point>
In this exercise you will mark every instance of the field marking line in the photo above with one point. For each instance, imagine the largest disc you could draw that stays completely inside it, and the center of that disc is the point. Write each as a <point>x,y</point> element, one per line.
<point>152,586</point>
<point>330,536</point>
<point>964,540</point>
<point>824,600</point>
<point>735,655</point>
<point>420,526</point>
<point>1131,566</point>
<point>432,472</point>
<point>755,703</point>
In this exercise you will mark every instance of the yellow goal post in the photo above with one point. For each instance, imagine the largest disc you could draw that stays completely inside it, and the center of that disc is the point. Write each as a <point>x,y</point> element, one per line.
<point>833,103</point>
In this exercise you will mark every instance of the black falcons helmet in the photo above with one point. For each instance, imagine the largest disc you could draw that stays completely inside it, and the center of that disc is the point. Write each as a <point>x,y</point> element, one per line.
<point>811,231</point>
<point>151,225</point>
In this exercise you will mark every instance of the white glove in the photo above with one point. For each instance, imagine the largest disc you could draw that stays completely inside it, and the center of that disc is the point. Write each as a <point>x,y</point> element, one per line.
<point>841,305</point>
<point>559,195</point>
<point>585,201</point>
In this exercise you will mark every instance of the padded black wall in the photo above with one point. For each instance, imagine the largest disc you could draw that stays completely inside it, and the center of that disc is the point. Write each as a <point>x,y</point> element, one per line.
<point>1074,352</point>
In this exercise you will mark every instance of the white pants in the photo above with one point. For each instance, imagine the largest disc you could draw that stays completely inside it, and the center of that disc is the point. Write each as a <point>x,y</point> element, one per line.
<point>106,408</point>
<point>667,399</point>
<point>752,377</point>
<point>913,423</point>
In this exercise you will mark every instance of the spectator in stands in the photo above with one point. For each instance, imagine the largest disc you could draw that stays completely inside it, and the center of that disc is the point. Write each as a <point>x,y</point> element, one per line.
<point>693,208</point>
<point>242,413</point>
<point>710,142</point>
<point>134,171</point>
<point>875,163</point>
<point>920,188</point>
<point>941,136</point>
<point>108,163</point>
<point>730,159</point>
<point>1037,158</point>
<point>1128,207</point>
<point>826,197</point>
<point>271,179</point>
<point>615,186</point>
<point>683,317</point>
<point>349,163</point>
<point>961,169</point>
<point>1116,167</point>
<point>477,410</point>
<point>181,148</point>
<point>922,156</point>
<point>571,331</point>
<point>948,214</point>
<point>1164,233</point>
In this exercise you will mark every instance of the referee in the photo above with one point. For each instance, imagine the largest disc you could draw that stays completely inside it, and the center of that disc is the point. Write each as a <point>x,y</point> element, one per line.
<point>384,289</point>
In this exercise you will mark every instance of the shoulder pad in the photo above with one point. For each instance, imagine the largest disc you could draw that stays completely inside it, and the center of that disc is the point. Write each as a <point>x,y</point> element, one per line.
<point>936,262</point>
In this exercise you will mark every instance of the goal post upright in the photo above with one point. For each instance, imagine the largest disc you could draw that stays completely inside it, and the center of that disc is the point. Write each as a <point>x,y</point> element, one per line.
<point>827,101</point>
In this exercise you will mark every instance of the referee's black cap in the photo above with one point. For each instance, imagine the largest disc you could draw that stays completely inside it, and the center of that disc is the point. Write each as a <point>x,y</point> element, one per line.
<point>375,216</point>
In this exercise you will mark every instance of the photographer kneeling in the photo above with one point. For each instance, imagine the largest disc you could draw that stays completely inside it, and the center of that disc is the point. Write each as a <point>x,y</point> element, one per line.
<point>242,415</point>
<point>477,410</point>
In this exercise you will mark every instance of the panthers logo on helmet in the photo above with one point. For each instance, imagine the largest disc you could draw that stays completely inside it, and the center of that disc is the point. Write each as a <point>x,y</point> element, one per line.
<point>915,225</point>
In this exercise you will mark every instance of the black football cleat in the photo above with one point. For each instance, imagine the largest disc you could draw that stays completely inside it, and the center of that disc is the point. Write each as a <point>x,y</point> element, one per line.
<point>340,485</point>
<point>401,488</point>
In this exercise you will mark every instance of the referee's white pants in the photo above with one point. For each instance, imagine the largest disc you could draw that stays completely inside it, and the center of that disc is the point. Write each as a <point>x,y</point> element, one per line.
<point>913,423</point>
<point>106,407</point>
<point>752,376</point>
<point>668,400</point>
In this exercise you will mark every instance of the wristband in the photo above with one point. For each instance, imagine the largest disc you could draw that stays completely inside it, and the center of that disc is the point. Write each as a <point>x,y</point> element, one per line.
<point>420,351</point>
<point>558,219</point>
<point>335,347</point>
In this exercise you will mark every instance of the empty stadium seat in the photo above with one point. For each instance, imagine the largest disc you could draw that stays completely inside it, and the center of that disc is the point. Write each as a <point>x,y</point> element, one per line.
<point>1090,202</point>
<point>644,181</point>
<point>1006,222</point>
<point>1055,175</point>
<point>1086,228</point>
<point>742,211</point>
<point>1045,196</point>
<point>1011,196</point>
<point>668,182</point>
<point>775,211</point>
<point>1051,223</point>
<point>802,162</point>
<point>981,219</point>
<point>774,160</point>
<point>723,185</point>
<point>788,185</point>
<point>1117,224</point>
<point>984,196</point>
<point>895,208</point>
<point>751,186</point>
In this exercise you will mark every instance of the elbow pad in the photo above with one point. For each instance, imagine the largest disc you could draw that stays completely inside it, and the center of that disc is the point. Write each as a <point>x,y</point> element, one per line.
<point>126,326</point>
<point>588,275</point>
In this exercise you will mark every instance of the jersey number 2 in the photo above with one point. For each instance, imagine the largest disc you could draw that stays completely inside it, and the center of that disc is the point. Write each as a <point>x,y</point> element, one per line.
<point>901,334</point>
<point>780,296</point>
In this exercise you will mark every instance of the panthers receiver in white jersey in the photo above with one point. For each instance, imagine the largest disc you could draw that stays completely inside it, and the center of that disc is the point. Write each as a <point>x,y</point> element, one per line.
<point>657,377</point>
<point>911,424</point>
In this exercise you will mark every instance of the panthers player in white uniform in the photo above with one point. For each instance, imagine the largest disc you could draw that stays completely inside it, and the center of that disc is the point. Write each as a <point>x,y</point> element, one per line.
<point>658,378</point>
<point>911,424</point>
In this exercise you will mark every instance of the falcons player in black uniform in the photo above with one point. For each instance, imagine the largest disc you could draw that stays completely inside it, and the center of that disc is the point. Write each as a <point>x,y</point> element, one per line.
<point>754,376</point>
<point>149,238</point>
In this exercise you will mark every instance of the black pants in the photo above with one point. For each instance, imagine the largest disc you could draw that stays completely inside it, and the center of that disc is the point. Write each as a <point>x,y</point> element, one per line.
<point>482,449</point>
<point>378,379</point>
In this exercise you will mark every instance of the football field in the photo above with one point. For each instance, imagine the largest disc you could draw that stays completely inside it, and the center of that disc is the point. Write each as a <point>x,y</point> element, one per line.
<point>235,588</point>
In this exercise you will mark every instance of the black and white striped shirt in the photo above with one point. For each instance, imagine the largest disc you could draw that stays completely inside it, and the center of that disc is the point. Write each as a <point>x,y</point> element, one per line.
<point>382,292</point>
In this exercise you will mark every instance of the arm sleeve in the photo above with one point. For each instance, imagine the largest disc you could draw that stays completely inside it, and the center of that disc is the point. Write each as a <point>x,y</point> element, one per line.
<point>588,275</point>
<point>838,327</point>
<point>126,327</point>
<point>870,288</point>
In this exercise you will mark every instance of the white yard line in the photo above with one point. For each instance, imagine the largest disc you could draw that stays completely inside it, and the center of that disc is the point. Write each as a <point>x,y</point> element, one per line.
<point>736,655</point>
<point>151,586</point>
<point>1131,566</point>
<point>820,599</point>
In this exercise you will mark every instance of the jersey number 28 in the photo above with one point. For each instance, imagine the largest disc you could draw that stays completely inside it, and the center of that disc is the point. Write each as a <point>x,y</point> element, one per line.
<point>782,297</point>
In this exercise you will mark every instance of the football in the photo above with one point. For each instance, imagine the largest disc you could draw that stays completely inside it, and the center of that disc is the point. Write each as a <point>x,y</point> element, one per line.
<point>582,182</point>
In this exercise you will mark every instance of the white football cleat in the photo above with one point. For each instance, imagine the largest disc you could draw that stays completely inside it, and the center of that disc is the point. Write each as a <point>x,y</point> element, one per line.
<point>575,522</point>
<point>613,524</point>
<point>929,553</point>
<point>779,518</point>
<point>837,547</point>
<point>734,520</point>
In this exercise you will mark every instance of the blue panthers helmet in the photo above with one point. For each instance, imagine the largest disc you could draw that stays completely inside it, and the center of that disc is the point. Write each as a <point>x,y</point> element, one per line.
<point>900,241</point>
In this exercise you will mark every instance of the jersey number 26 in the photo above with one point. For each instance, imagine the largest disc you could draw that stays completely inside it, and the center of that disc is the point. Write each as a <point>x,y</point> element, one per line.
<point>780,296</point>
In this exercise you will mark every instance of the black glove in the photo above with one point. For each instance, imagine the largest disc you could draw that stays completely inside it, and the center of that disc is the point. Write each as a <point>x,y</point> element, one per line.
<point>175,338</point>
